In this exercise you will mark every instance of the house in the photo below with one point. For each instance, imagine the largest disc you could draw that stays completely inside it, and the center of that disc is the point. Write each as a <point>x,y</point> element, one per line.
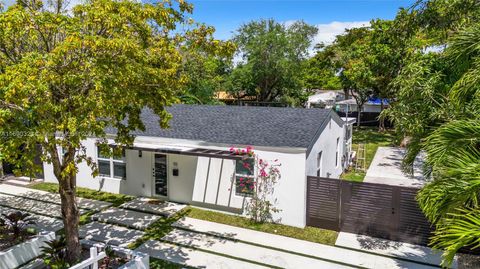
<point>191,163</point>
<point>325,99</point>
<point>370,111</point>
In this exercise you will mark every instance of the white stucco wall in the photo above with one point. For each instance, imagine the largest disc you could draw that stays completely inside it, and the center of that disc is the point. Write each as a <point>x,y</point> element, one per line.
<point>191,185</point>
<point>84,176</point>
<point>180,188</point>
<point>327,144</point>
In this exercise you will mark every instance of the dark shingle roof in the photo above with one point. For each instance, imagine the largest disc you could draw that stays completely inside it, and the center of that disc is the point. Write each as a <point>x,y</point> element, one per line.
<point>237,125</point>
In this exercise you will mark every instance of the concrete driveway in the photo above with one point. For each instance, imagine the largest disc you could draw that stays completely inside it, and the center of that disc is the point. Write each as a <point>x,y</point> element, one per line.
<point>386,168</point>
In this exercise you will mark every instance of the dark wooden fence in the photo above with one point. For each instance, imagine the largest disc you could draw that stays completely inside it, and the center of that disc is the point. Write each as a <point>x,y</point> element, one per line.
<point>377,210</point>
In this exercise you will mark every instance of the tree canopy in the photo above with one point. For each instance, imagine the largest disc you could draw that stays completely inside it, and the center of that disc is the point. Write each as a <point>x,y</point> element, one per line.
<point>437,106</point>
<point>272,59</point>
<point>66,76</point>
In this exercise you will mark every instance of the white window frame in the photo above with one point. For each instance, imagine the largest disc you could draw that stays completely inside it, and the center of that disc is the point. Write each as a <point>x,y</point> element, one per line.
<point>337,155</point>
<point>319,163</point>
<point>237,192</point>
<point>112,161</point>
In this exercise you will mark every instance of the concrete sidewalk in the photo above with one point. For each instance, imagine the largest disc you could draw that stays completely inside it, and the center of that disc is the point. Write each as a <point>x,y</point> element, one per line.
<point>192,258</point>
<point>154,206</point>
<point>51,197</point>
<point>287,246</point>
<point>32,206</point>
<point>390,248</point>
<point>109,234</point>
<point>127,218</point>
<point>41,222</point>
<point>240,250</point>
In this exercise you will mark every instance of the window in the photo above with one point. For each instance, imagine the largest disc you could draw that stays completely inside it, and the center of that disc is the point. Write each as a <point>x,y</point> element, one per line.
<point>319,164</point>
<point>112,166</point>
<point>337,151</point>
<point>245,177</point>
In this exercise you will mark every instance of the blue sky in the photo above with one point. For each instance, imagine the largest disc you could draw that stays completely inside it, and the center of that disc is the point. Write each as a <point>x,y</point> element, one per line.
<point>331,16</point>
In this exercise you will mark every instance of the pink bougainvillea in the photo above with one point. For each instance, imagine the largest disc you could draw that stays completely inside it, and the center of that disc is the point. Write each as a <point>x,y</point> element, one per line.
<point>259,188</point>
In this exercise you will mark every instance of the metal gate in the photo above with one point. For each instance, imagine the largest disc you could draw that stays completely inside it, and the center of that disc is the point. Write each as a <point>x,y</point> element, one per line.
<point>377,210</point>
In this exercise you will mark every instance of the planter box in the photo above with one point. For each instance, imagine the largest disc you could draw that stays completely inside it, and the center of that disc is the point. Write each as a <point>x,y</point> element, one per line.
<point>24,252</point>
<point>137,260</point>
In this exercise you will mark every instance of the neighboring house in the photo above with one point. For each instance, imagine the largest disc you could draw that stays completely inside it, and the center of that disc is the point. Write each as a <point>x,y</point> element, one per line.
<point>370,111</point>
<point>191,163</point>
<point>325,99</point>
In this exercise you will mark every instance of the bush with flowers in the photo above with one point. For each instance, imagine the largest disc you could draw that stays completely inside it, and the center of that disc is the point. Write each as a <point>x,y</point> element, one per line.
<point>259,207</point>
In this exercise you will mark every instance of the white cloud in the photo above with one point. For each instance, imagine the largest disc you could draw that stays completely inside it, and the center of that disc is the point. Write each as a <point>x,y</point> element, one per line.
<point>327,32</point>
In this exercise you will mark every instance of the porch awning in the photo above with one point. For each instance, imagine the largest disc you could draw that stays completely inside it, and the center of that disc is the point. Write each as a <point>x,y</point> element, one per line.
<point>212,153</point>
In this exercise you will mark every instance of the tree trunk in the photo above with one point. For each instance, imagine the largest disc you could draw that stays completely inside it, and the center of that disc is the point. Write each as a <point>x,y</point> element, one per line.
<point>359,114</point>
<point>2,174</point>
<point>71,217</point>
<point>381,120</point>
<point>347,94</point>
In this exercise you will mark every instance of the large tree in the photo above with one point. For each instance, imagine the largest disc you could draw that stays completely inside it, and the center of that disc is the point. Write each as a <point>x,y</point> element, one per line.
<point>66,76</point>
<point>320,70</point>
<point>272,58</point>
<point>206,75</point>
<point>350,59</point>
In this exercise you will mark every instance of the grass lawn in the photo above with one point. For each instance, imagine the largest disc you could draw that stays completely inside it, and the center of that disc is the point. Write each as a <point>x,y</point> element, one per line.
<point>115,199</point>
<point>372,138</point>
<point>311,234</point>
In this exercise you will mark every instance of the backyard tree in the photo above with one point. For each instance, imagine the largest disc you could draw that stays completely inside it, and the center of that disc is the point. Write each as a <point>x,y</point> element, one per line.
<point>205,74</point>
<point>353,65</point>
<point>320,70</point>
<point>272,60</point>
<point>65,76</point>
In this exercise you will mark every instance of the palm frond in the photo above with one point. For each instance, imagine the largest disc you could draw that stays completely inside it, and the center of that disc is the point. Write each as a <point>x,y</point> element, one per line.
<point>460,229</point>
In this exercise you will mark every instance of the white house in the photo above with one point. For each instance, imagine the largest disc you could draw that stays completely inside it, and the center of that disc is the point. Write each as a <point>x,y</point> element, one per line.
<point>191,163</point>
<point>325,99</point>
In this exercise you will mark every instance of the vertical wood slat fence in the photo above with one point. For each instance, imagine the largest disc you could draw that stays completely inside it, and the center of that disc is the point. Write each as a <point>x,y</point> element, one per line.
<point>378,210</point>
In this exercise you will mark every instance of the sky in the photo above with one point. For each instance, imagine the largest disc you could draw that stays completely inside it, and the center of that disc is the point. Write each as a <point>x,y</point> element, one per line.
<point>330,16</point>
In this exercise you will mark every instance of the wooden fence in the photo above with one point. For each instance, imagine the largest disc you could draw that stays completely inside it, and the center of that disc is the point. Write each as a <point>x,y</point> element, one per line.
<point>378,210</point>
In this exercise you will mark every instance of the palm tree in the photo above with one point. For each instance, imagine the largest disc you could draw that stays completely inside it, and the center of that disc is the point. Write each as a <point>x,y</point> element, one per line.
<point>451,200</point>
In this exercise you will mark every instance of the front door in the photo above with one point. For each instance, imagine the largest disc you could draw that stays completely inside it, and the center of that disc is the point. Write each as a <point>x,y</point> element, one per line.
<point>160,175</point>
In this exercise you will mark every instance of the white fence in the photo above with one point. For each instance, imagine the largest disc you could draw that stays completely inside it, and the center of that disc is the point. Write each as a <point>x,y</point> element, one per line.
<point>91,262</point>
<point>138,260</point>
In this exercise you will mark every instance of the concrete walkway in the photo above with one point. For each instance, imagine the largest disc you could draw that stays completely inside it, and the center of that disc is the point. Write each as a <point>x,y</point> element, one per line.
<point>193,258</point>
<point>109,234</point>
<point>390,248</point>
<point>386,168</point>
<point>283,246</point>
<point>153,206</point>
<point>240,250</point>
<point>51,197</point>
<point>41,222</point>
<point>127,218</point>
<point>32,206</point>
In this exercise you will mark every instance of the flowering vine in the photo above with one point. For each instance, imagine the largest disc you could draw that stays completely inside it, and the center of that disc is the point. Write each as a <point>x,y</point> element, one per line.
<point>258,185</point>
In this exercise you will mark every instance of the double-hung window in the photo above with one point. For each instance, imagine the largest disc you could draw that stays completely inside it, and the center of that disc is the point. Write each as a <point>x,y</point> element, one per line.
<point>112,167</point>
<point>245,177</point>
